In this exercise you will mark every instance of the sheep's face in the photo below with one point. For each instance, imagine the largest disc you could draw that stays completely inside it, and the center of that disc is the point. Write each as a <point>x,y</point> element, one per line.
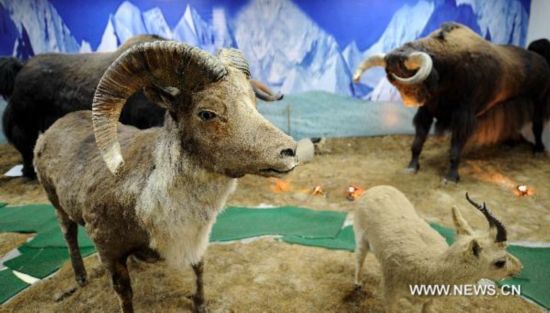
<point>222,129</point>
<point>487,258</point>
<point>480,253</point>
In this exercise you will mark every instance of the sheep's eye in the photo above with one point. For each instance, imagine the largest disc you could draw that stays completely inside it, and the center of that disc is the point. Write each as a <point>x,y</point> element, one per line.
<point>207,115</point>
<point>500,264</point>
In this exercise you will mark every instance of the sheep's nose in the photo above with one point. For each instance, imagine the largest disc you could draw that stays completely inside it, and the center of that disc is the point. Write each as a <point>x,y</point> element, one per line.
<point>288,152</point>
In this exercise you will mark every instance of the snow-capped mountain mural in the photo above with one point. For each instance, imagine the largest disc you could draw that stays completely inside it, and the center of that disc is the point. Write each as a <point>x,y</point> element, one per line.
<point>291,45</point>
<point>39,27</point>
<point>288,50</point>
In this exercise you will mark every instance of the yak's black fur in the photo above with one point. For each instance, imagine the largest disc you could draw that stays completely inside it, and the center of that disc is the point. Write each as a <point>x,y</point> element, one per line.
<point>9,67</point>
<point>483,93</point>
<point>542,47</point>
<point>51,85</point>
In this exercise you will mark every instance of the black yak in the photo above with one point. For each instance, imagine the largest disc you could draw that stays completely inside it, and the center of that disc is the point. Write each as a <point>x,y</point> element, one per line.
<point>48,86</point>
<point>482,92</point>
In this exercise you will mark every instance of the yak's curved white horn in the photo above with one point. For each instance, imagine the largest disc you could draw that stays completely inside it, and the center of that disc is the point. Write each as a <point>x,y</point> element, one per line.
<point>417,60</point>
<point>372,61</point>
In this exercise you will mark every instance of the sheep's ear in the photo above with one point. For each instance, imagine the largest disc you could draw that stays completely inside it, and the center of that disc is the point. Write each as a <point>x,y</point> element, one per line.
<point>474,248</point>
<point>162,96</point>
<point>462,227</point>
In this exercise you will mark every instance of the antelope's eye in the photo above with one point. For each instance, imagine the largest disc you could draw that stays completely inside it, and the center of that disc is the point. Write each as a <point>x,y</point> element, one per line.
<point>500,264</point>
<point>207,115</point>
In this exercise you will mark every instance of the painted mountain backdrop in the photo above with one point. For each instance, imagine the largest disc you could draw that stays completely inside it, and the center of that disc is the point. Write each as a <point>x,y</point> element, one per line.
<point>294,46</point>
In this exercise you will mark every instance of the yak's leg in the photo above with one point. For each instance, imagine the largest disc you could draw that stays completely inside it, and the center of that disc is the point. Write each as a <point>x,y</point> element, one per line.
<point>462,130</point>
<point>198,298</point>
<point>120,278</point>
<point>422,123</point>
<point>24,141</point>
<point>22,138</point>
<point>70,232</point>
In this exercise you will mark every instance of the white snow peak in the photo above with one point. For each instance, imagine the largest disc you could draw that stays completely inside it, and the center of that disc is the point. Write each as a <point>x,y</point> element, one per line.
<point>288,50</point>
<point>46,30</point>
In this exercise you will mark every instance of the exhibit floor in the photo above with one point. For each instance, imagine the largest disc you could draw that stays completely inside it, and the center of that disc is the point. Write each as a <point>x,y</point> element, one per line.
<point>266,275</point>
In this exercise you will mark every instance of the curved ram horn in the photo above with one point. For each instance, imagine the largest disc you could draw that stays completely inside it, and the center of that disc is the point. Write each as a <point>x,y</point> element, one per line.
<point>234,58</point>
<point>416,60</point>
<point>493,221</point>
<point>372,61</point>
<point>159,63</point>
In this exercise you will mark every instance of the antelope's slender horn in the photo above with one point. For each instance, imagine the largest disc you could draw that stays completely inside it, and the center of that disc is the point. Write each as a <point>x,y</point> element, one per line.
<point>493,221</point>
<point>420,61</point>
<point>158,63</point>
<point>372,61</point>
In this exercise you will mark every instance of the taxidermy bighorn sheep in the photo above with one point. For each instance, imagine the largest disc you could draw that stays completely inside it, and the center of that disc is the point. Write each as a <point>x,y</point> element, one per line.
<point>51,85</point>
<point>155,193</point>
<point>410,252</point>
<point>482,92</point>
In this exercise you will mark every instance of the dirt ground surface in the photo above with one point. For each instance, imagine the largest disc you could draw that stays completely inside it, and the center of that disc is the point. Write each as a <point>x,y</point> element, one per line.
<point>266,275</point>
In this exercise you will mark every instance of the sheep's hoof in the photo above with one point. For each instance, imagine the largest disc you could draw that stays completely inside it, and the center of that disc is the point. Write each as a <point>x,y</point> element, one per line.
<point>199,308</point>
<point>356,294</point>
<point>81,281</point>
<point>198,304</point>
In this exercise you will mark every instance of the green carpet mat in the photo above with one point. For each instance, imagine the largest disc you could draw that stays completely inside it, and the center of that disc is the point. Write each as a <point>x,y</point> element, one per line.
<point>345,240</point>
<point>41,262</point>
<point>534,279</point>
<point>53,237</point>
<point>10,285</point>
<point>27,219</point>
<point>239,223</point>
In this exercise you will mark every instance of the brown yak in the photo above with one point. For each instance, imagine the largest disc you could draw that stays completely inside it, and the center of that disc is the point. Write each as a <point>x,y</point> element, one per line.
<point>482,92</point>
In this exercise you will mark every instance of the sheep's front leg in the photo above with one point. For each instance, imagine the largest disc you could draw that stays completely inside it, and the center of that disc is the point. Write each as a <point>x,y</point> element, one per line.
<point>70,232</point>
<point>198,298</point>
<point>121,283</point>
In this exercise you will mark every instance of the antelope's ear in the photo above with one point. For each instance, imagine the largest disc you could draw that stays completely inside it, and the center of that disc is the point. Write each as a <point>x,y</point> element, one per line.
<point>462,227</point>
<point>474,248</point>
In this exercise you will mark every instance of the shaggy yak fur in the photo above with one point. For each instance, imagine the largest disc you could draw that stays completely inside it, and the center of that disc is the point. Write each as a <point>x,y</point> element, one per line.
<point>482,92</point>
<point>155,193</point>
<point>542,47</point>
<point>51,85</point>
<point>411,252</point>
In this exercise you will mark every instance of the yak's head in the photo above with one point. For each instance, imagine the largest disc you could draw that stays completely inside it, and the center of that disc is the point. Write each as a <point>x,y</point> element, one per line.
<point>211,106</point>
<point>410,71</point>
<point>482,254</point>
